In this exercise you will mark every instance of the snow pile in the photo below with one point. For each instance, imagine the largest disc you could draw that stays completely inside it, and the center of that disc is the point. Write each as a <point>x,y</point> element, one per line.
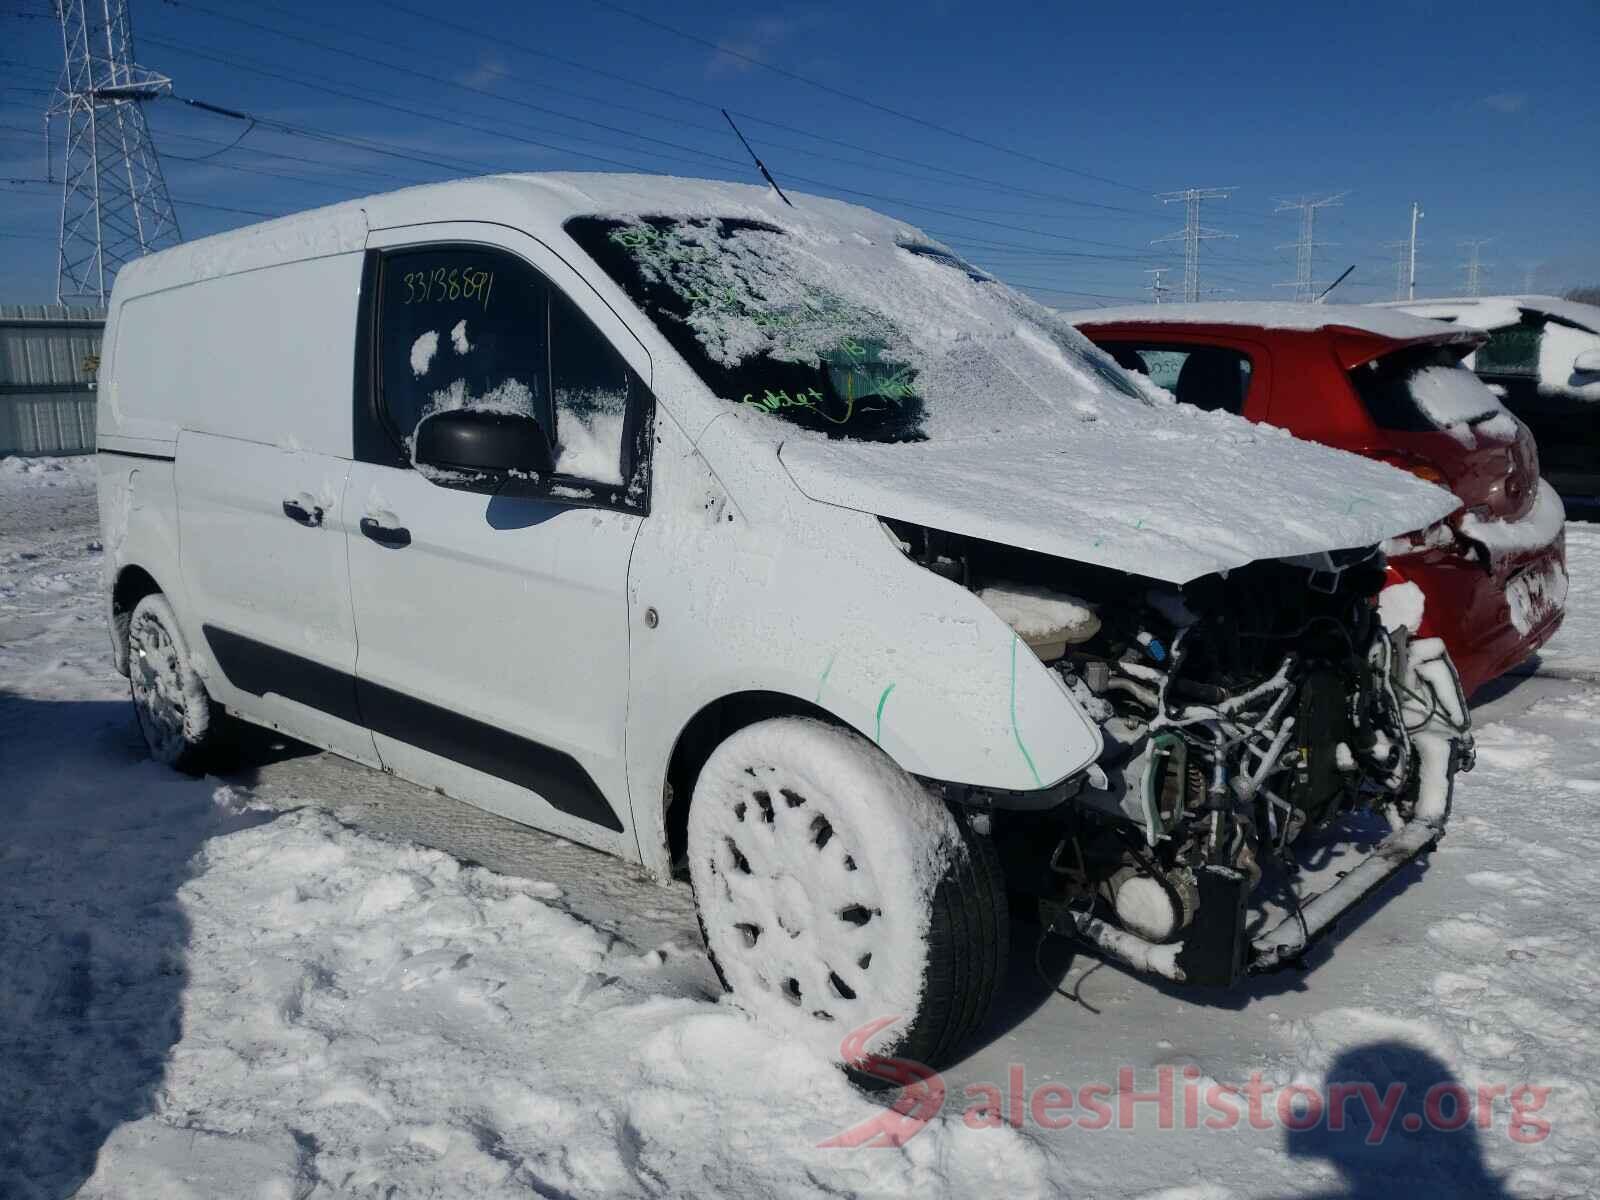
<point>1400,606</point>
<point>591,447</point>
<point>1559,348</point>
<point>378,1019</point>
<point>1037,614</point>
<point>510,397</point>
<point>422,352</point>
<point>1453,398</point>
<point>1574,652</point>
<point>589,426</point>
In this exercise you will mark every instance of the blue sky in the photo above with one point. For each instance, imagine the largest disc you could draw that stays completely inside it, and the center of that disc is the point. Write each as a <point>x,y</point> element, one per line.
<point>1073,116</point>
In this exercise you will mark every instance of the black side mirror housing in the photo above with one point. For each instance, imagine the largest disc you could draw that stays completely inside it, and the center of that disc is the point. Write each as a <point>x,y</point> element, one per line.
<point>478,451</point>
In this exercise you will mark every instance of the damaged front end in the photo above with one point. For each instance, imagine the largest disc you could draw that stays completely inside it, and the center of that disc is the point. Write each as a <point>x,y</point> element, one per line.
<point>1243,715</point>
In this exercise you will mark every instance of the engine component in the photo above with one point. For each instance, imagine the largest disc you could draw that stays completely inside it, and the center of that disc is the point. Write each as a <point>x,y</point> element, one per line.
<point>1048,621</point>
<point>1155,908</point>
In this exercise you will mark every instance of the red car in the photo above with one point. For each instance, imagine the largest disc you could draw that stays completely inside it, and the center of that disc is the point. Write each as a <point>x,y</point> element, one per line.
<point>1389,386</point>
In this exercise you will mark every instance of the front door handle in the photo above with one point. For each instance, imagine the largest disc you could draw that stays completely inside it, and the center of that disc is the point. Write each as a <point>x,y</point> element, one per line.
<point>298,511</point>
<point>393,536</point>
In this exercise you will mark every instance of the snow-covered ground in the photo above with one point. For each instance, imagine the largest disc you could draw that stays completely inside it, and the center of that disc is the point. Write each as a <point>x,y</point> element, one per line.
<point>263,985</point>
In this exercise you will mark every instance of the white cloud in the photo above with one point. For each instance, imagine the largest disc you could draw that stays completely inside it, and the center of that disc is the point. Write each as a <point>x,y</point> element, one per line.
<point>751,39</point>
<point>490,67</point>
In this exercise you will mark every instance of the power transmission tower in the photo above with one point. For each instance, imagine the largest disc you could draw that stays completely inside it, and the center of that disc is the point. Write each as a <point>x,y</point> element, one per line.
<point>1157,288</point>
<point>1400,248</point>
<point>1304,285</point>
<point>114,201</point>
<point>1192,233</point>
<point>1473,267</point>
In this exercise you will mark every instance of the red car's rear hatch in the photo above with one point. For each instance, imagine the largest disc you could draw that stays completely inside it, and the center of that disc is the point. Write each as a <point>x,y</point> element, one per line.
<point>1442,423</point>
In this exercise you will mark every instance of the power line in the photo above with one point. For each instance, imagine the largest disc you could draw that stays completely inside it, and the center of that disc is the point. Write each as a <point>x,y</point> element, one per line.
<point>499,42</point>
<point>873,104</point>
<point>955,213</point>
<point>405,110</point>
<point>904,202</point>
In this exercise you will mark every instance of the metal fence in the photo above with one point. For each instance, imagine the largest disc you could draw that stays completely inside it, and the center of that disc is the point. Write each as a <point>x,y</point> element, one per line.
<point>49,355</point>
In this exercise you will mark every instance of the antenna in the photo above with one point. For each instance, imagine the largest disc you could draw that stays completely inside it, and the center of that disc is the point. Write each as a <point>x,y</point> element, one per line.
<point>1305,289</point>
<point>1192,233</point>
<point>114,201</point>
<point>760,166</point>
<point>1324,294</point>
<point>1157,288</point>
<point>1472,266</point>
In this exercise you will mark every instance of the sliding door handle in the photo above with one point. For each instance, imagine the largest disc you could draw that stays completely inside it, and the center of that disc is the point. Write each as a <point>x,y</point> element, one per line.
<point>393,536</point>
<point>299,512</point>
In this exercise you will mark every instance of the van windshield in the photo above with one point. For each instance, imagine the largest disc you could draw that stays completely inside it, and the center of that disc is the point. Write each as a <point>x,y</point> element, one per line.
<point>897,343</point>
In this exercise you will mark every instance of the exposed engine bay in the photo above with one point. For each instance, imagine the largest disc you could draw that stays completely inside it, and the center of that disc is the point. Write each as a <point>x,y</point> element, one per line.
<point>1239,713</point>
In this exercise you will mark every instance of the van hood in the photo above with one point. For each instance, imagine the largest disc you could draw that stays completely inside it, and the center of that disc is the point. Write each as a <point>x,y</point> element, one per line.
<point>1174,500</point>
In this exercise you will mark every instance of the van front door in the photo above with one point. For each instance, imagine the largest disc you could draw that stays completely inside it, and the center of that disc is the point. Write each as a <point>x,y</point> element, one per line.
<point>492,631</point>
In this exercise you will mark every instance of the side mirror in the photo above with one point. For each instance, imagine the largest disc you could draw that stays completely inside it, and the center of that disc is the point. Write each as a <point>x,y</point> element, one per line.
<point>477,451</point>
<point>1587,363</point>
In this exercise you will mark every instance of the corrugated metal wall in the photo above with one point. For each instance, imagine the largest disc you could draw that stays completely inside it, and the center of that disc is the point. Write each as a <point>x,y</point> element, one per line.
<point>49,354</point>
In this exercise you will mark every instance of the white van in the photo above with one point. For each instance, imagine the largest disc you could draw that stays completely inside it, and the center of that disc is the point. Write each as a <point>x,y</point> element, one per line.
<point>771,544</point>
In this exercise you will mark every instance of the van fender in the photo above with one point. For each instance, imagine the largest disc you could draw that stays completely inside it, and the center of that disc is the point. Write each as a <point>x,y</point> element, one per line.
<point>814,602</point>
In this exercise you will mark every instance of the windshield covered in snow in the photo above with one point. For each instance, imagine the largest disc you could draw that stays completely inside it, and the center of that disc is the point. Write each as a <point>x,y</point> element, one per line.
<point>837,333</point>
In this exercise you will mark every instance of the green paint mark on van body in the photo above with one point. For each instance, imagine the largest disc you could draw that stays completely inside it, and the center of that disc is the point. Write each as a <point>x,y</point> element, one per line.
<point>882,700</point>
<point>1015,732</point>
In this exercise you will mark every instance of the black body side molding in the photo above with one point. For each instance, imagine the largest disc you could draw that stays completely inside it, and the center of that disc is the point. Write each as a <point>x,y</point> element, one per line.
<point>556,776</point>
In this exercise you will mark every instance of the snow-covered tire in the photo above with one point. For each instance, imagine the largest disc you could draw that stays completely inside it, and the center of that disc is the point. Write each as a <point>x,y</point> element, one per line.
<point>834,891</point>
<point>175,714</point>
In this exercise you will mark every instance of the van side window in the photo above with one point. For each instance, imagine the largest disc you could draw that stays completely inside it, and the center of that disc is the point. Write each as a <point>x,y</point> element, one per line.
<point>591,386</point>
<point>460,327</point>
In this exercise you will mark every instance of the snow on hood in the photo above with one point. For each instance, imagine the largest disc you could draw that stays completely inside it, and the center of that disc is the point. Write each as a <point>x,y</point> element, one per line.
<point>1178,495</point>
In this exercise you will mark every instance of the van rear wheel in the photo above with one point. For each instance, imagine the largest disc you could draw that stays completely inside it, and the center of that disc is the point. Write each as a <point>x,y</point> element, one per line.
<point>834,891</point>
<point>175,713</point>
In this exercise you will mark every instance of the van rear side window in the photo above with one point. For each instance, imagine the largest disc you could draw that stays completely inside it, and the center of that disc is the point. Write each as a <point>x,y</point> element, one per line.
<point>461,327</point>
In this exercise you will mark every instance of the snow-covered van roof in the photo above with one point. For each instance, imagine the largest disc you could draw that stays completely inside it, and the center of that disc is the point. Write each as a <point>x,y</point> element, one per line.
<point>884,375</point>
<point>1264,314</point>
<point>1496,312</point>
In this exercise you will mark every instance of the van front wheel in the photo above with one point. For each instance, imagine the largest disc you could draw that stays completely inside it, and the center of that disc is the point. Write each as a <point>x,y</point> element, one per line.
<point>835,892</point>
<point>175,714</point>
